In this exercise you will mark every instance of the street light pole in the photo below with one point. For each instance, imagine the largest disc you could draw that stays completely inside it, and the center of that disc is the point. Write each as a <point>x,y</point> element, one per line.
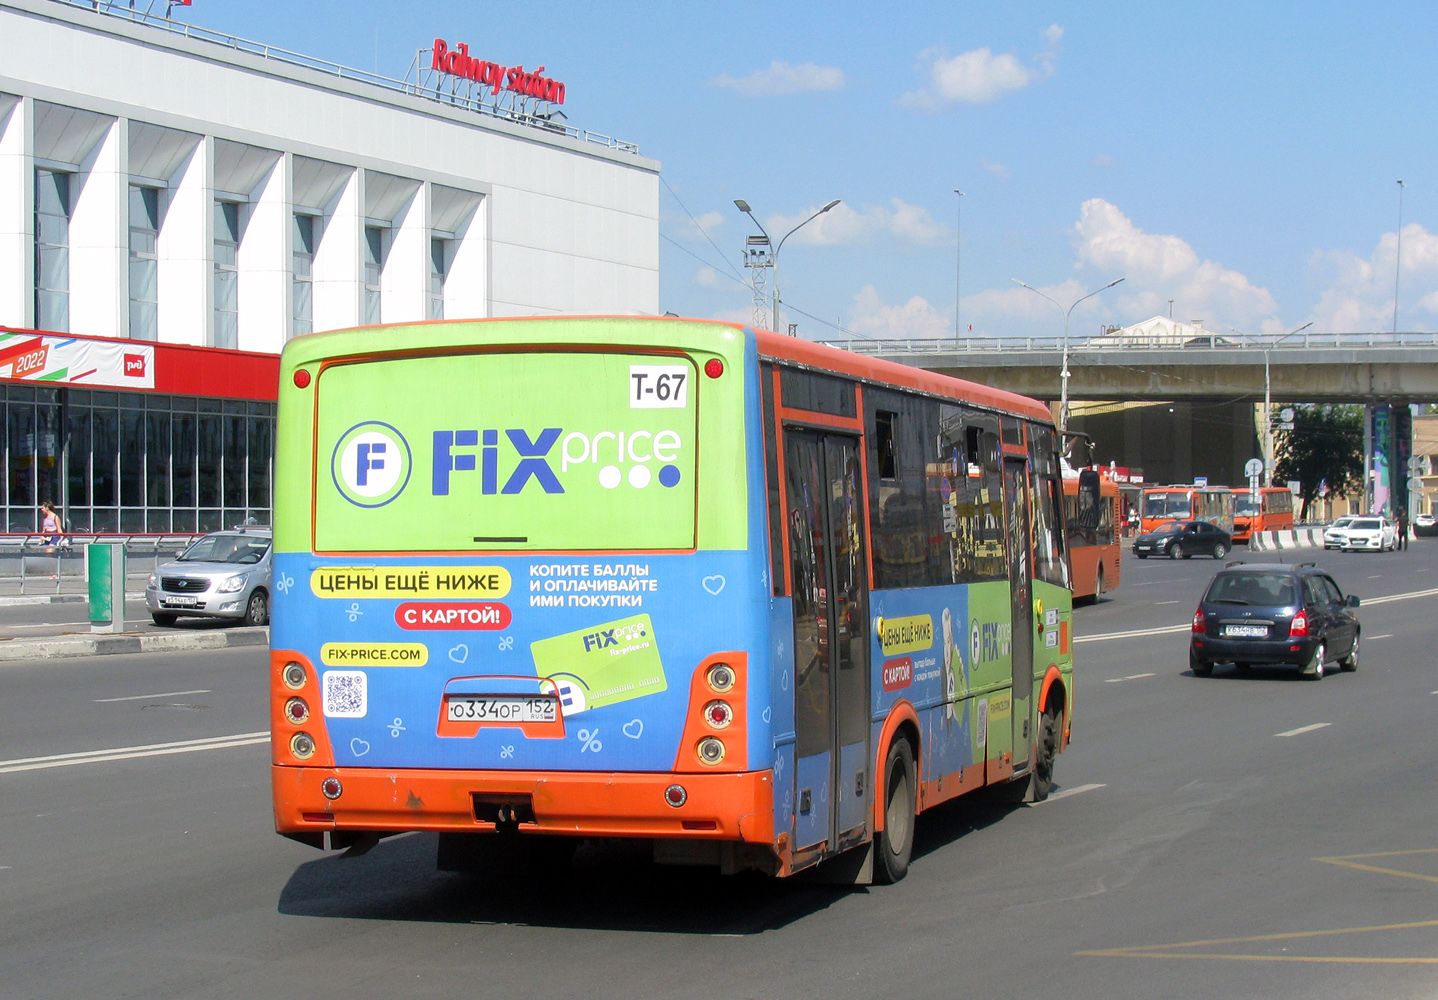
<point>959,271</point>
<point>1268,401</point>
<point>1398,262</point>
<point>743,206</point>
<point>1064,371</point>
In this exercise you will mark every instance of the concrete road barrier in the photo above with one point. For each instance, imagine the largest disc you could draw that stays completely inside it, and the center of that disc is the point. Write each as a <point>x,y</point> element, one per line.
<point>102,643</point>
<point>1286,538</point>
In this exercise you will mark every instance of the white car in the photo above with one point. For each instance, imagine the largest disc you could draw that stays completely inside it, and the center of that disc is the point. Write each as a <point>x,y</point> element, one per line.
<point>1370,534</point>
<point>1336,533</point>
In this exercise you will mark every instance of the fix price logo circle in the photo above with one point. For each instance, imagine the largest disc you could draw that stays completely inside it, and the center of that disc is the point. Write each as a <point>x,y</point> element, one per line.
<point>371,464</point>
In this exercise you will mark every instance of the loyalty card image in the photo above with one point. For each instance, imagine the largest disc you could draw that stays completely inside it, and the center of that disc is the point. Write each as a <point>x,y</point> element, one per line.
<point>601,665</point>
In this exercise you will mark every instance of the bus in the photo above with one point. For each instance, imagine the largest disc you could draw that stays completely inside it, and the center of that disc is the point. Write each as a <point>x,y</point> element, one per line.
<point>1270,510</point>
<point>1091,527</point>
<point>1162,504</point>
<point>750,599</point>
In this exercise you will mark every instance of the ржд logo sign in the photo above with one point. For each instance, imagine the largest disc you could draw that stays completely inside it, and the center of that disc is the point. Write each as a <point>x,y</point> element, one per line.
<point>371,464</point>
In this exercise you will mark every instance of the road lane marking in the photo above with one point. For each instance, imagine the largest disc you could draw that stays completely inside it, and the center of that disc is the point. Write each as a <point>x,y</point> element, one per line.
<point>1351,861</point>
<point>1130,677</point>
<point>130,753</point>
<point>142,697</point>
<point>1401,597</point>
<point>1304,729</point>
<point>1077,790</point>
<point>1163,630</point>
<point>1164,602</point>
<point>1151,950</point>
<point>1385,635</point>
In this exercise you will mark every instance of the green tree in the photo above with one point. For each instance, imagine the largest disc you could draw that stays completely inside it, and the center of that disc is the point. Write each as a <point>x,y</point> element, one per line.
<point>1325,446</point>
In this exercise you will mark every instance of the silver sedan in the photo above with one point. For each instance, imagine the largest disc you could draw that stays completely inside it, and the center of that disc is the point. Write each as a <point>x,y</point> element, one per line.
<point>226,574</point>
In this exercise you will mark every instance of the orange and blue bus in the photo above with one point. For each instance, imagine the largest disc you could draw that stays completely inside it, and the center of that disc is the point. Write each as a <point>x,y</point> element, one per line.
<point>1091,517</point>
<point>1162,504</point>
<point>754,600</point>
<point>1269,510</point>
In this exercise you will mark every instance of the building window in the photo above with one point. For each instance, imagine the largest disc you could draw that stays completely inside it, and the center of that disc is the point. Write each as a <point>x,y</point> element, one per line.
<point>144,264</point>
<point>373,263</point>
<point>438,272</point>
<point>305,236</point>
<point>52,250</point>
<point>227,274</point>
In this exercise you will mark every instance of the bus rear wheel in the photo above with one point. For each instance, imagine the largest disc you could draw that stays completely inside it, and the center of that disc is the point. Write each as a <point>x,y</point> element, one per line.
<point>1048,751</point>
<point>895,843</point>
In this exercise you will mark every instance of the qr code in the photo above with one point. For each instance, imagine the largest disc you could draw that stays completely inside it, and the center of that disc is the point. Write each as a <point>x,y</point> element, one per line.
<point>981,734</point>
<point>345,694</point>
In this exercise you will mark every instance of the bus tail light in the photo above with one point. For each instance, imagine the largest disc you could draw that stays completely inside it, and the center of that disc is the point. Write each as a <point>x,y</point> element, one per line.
<point>1299,626</point>
<point>713,368</point>
<point>676,796</point>
<point>700,749</point>
<point>294,676</point>
<point>331,788</point>
<point>297,727</point>
<point>297,711</point>
<point>302,745</point>
<point>1200,624</point>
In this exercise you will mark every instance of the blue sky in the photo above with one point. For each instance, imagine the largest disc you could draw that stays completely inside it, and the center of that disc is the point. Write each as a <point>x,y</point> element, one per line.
<point>1240,159</point>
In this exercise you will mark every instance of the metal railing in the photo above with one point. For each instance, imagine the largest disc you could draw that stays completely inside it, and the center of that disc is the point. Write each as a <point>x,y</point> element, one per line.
<point>43,567</point>
<point>124,10</point>
<point>1203,342</point>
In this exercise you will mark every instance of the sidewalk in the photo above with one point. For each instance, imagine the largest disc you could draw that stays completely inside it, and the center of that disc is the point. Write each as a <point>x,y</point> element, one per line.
<point>103,643</point>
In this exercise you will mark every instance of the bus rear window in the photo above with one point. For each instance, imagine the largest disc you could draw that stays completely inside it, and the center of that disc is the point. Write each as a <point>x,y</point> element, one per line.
<point>515,451</point>
<point>1166,505</point>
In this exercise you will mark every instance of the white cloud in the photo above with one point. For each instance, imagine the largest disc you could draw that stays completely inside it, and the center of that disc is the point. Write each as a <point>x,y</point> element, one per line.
<point>707,277</point>
<point>978,76</point>
<point>997,169</point>
<point>1360,293</point>
<point>781,79</point>
<point>1103,160</point>
<point>695,228</point>
<point>843,226</point>
<point>914,319</point>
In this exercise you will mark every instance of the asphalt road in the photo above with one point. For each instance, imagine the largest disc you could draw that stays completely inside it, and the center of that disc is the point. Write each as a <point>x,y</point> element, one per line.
<point>34,621</point>
<point>1202,843</point>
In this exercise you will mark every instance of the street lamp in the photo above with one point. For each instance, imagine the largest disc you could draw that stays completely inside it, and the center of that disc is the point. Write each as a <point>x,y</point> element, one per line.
<point>743,206</point>
<point>1268,402</point>
<point>1064,372</point>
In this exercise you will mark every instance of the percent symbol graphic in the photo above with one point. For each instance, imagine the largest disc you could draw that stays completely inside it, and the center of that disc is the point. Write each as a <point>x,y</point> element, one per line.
<point>589,740</point>
<point>354,611</point>
<point>506,642</point>
<point>284,583</point>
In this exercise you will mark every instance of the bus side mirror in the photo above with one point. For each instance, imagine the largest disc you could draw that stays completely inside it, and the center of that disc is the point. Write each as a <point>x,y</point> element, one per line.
<point>1089,484</point>
<point>1352,600</point>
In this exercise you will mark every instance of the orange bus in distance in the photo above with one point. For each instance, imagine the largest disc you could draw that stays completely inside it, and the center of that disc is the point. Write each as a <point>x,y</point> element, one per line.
<point>1162,504</point>
<point>1270,510</point>
<point>1091,515</point>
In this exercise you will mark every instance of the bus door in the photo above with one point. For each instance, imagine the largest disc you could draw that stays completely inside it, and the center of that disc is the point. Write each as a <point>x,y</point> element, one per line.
<point>1017,494</point>
<point>830,573</point>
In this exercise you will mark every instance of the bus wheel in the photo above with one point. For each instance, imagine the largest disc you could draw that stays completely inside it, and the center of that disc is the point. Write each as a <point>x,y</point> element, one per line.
<point>1048,751</point>
<point>1098,586</point>
<point>895,844</point>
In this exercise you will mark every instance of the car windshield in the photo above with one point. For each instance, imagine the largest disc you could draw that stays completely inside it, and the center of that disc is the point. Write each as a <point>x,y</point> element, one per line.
<point>1268,589</point>
<point>1342,522</point>
<point>1166,505</point>
<point>1245,505</point>
<point>243,549</point>
<point>1368,524</point>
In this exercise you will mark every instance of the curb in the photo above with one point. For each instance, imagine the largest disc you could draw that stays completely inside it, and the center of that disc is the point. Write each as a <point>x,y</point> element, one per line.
<point>132,642</point>
<point>24,600</point>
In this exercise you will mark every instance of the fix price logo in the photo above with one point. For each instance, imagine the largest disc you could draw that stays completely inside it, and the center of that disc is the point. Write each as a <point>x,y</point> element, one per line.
<point>371,464</point>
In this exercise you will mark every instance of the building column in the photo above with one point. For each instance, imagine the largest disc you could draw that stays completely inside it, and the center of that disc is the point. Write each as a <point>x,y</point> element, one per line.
<point>1183,442</point>
<point>265,263</point>
<point>339,260</point>
<point>99,238</point>
<point>17,211</point>
<point>467,286</point>
<point>404,281</point>
<point>186,249</point>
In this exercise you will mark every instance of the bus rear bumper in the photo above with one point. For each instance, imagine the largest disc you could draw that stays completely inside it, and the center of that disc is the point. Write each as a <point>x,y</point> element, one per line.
<point>715,807</point>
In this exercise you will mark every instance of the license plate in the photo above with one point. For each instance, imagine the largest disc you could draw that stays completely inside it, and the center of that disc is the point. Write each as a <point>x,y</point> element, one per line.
<point>180,602</point>
<point>1246,631</point>
<point>515,709</point>
<point>1144,548</point>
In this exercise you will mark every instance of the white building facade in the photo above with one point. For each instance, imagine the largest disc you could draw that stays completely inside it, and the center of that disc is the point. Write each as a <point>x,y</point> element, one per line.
<point>174,186</point>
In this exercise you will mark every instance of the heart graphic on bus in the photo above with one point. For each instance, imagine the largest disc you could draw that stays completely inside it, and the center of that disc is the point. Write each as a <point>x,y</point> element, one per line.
<point>359,747</point>
<point>713,584</point>
<point>634,729</point>
<point>459,653</point>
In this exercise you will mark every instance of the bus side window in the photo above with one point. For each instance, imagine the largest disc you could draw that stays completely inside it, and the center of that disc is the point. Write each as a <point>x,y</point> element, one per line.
<point>771,479</point>
<point>885,449</point>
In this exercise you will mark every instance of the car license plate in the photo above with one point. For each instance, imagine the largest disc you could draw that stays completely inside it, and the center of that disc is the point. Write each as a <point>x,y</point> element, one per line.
<point>1144,548</point>
<point>180,602</point>
<point>1247,631</point>
<point>514,709</point>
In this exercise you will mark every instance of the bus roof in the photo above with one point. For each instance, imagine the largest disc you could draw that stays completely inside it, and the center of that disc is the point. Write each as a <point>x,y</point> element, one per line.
<point>398,338</point>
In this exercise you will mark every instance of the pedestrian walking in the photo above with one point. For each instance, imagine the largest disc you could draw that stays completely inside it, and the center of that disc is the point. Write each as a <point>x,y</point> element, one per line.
<point>52,531</point>
<point>1402,528</point>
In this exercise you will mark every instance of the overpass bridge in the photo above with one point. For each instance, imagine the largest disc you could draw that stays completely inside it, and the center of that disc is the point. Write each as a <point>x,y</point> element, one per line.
<point>1304,368</point>
<point>1207,385</point>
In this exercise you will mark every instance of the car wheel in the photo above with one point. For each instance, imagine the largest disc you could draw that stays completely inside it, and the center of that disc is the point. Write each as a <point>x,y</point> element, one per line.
<point>1199,668</point>
<point>1220,550</point>
<point>895,843</point>
<point>163,620</point>
<point>1048,751</point>
<point>1350,662</point>
<point>1141,555</point>
<point>1175,550</point>
<point>257,611</point>
<point>1314,670</point>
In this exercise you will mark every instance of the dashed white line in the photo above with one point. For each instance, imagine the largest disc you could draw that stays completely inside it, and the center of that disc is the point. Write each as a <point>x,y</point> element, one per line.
<point>130,753</point>
<point>1164,602</point>
<point>1076,790</point>
<point>1130,677</point>
<point>1385,635</point>
<point>142,697</point>
<point>1163,630</point>
<point>1304,729</point>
